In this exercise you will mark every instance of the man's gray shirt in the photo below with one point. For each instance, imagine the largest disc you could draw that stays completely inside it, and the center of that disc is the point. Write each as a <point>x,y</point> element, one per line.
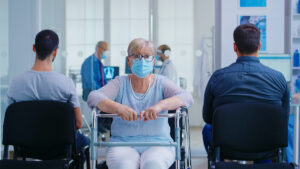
<point>34,85</point>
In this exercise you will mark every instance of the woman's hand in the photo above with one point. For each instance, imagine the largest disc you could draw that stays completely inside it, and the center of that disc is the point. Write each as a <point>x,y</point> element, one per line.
<point>127,113</point>
<point>151,113</point>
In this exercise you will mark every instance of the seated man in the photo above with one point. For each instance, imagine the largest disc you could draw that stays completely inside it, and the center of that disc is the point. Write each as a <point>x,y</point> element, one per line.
<point>42,83</point>
<point>246,80</point>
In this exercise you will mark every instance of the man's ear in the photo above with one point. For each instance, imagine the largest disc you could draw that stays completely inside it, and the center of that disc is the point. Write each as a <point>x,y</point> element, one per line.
<point>259,46</point>
<point>127,59</point>
<point>33,48</point>
<point>235,47</point>
<point>55,52</point>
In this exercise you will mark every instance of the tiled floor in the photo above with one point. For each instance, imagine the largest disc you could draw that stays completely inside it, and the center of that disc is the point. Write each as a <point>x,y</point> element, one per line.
<point>199,163</point>
<point>199,160</point>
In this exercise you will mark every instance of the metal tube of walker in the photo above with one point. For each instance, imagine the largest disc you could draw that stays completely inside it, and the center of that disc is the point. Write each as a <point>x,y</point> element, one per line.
<point>94,138</point>
<point>177,138</point>
<point>296,136</point>
<point>170,115</point>
<point>187,132</point>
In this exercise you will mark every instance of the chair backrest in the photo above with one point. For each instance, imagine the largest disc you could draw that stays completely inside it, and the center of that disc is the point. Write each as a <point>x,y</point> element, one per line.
<point>250,127</point>
<point>49,164</point>
<point>39,126</point>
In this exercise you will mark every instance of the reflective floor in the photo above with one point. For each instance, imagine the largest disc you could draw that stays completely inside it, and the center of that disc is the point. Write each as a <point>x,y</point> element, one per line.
<point>199,160</point>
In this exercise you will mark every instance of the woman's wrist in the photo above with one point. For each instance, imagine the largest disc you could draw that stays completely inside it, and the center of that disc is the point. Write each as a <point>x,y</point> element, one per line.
<point>118,108</point>
<point>160,106</point>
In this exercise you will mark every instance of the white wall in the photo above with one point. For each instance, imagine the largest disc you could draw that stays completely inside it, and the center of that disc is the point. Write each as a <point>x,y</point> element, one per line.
<point>23,26</point>
<point>53,16</point>
<point>3,38</point>
<point>3,61</point>
<point>227,20</point>
<point>175,28</point>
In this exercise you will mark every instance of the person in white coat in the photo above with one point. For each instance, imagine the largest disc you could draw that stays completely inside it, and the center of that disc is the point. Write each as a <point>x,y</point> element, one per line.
<point>168,68</point>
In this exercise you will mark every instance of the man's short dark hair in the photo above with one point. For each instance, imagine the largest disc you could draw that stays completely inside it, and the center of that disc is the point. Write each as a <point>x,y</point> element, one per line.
<point>246,38</point>
<point>46,42</point>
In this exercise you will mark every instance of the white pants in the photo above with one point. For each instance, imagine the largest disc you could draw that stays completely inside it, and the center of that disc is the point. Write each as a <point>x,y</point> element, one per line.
<point>129,158</point>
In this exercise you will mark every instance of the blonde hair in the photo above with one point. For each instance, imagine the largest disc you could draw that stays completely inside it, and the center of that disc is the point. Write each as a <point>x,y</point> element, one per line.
<point>138,44</point>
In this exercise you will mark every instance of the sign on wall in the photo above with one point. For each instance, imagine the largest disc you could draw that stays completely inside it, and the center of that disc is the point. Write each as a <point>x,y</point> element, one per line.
<point>253,3</point>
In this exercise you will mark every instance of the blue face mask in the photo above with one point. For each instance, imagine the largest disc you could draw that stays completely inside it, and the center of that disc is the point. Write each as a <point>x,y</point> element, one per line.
<point>141,68</point>
<point>104,55</point>
<point>157,58</point>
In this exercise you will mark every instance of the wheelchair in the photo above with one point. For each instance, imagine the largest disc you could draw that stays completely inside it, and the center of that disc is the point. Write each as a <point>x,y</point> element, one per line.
<point>179,125</point>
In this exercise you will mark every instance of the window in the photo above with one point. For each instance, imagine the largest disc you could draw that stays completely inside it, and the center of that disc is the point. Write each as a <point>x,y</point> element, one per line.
<point>175,28</point>
<point>129,20</point>
<point>84,28</point>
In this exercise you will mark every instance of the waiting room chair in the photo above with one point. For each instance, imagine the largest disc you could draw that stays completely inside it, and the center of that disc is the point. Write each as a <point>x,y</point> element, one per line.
<point>251,132</point>
<point>18,164</point>
<point>43,130</point>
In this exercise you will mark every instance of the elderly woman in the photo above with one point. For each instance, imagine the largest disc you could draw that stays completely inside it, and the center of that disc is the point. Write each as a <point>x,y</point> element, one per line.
<point>138,98</point>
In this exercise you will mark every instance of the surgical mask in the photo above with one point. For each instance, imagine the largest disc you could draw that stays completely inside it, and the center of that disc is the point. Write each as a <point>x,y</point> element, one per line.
<point>141,68</point>
<point>157,58</point>
<point>158,62</point>
<point>104,55</point>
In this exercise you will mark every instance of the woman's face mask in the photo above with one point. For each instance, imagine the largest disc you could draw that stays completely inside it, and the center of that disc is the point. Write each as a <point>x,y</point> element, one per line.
<point>141,68</point>
<point>157,57</point>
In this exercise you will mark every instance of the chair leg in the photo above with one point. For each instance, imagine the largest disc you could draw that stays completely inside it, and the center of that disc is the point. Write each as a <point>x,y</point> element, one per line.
<point>87,155</point>
<point>211,158</point>
<point>280,155</point>
<point>15,156</point>
<point>5,154</point>
<point>218,157</point>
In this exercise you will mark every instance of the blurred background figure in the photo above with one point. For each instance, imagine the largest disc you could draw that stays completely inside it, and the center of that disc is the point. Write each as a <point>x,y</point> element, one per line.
<point>92,74</point>
<point>168,68</point>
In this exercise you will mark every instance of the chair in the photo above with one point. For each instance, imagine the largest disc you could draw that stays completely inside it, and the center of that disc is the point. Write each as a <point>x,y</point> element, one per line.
<point>248,131</point>
<point>42,130</point>
<point>185,151</point>
<point>49,164</point>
